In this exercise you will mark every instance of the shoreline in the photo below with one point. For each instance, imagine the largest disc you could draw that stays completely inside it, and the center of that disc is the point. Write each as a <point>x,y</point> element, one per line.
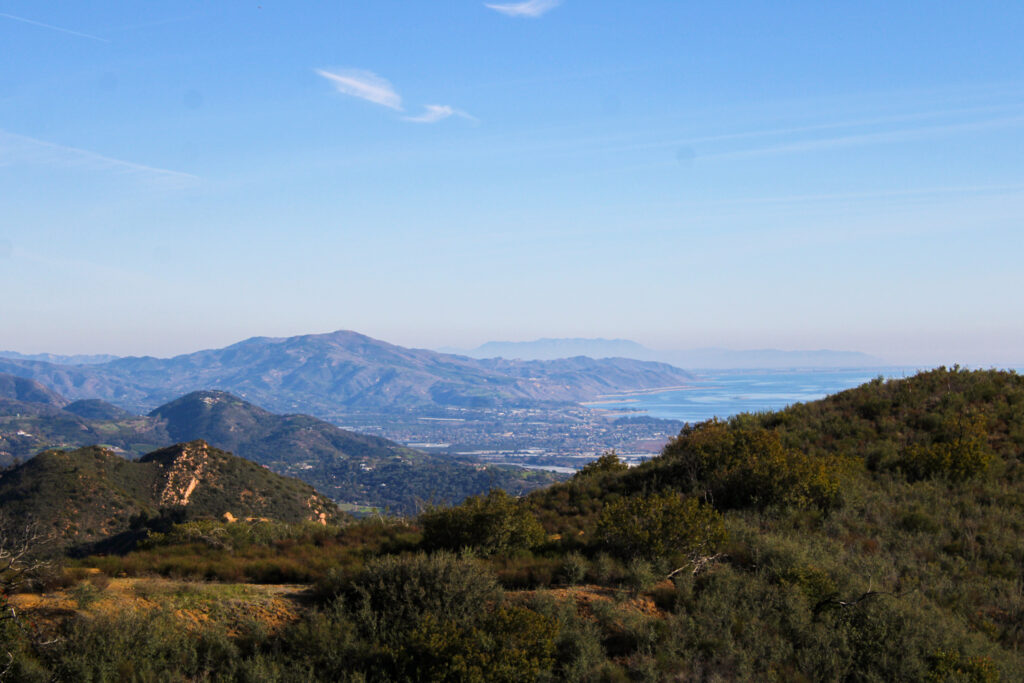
<point>605,398</point>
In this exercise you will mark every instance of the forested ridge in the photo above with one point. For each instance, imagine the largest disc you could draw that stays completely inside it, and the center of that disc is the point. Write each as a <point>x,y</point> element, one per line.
<point>875,535</point>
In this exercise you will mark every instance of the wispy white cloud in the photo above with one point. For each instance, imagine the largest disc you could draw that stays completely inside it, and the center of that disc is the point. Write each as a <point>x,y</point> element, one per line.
<point>51,27</point>
<point>365,85</point>
<point>432,113</point>
<point>368,86</point>
<point>15,149</point>
<point>531,8</point>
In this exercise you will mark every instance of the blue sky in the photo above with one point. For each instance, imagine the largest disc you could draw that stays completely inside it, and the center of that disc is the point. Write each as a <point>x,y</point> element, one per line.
<point>177,176</point>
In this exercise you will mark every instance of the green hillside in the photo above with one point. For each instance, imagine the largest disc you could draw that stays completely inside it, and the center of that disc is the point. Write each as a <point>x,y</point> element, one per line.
<point>27,428</point>
<point>92,493</point>
<point>356,469</point>
<point>96,409</point>
<point>349,467</point>
<point>876,535</point>
<point>83,494</point>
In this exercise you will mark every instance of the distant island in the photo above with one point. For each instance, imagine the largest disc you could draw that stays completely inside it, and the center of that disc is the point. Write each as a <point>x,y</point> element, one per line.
<point>690,359</point>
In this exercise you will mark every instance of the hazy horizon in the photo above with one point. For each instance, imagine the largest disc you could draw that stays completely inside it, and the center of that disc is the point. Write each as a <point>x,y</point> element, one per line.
<point>806,176</point>
<point>919,363</point>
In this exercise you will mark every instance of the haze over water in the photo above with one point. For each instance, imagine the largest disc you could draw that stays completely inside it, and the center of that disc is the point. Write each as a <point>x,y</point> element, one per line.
<point>725,393</point>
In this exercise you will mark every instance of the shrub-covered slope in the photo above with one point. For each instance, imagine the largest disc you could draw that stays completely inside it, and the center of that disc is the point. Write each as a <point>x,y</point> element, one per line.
<point>91,493</point>
<point>872,536</point>
<point>349,467</point>
<point>877,534</point>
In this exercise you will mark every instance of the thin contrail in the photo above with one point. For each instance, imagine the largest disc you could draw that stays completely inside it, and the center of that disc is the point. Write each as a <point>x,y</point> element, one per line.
<point>53,28</point>
<point>72,156</point>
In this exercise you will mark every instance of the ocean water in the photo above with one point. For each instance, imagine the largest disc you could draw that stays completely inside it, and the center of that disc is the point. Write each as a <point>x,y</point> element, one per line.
<point>729,392</point>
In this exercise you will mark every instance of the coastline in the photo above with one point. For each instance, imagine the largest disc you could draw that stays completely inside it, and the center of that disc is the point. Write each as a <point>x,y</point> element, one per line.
<point>605,398</point>
<point>730,393</point>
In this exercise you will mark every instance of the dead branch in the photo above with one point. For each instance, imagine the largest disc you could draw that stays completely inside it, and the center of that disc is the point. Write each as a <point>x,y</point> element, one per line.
<point>21,547</point>
<point>697,564</point>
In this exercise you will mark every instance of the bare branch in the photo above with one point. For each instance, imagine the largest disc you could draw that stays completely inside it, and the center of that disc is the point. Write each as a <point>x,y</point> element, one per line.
<point>697,564</point>
<point>7,667</point>
<point>21,552</point>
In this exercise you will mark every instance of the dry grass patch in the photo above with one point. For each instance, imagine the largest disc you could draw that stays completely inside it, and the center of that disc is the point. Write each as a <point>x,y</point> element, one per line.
<point>237,607</point>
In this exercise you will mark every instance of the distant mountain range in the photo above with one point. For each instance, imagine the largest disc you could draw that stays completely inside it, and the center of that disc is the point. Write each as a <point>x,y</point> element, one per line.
<point>344,371</point>
<point>349,467</point>
<point>709,358</point>
<point>59,360</point>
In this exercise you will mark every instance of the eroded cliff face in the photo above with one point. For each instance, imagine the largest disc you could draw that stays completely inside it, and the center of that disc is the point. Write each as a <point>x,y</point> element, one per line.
<point>183,474</point>
<point>319,508</point>
<point>92,493</point>
<point>195,474</point>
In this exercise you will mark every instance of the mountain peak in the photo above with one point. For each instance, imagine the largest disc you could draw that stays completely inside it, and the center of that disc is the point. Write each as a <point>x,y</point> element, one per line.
<point>348,371</point>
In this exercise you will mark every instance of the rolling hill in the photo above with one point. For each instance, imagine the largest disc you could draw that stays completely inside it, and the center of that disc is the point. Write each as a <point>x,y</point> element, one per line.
<point>351,468</point>
<point>97,409</point>
<point>91,493</point>
<point>874,535</point>
<point>22,389</point>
